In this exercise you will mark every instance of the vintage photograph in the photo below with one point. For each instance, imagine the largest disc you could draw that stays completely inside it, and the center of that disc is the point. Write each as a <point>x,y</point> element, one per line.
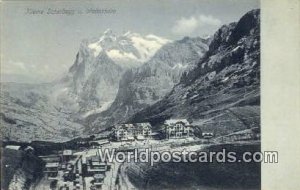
<point>131,94</point>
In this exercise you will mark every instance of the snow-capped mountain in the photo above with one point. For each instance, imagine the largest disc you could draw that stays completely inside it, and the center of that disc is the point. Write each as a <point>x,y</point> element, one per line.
<point>127,50</point>
<point>54,110</point>
<point>221,94</point>
<point>145,85</point>
<point>93,80</point>
<point>214,82</point>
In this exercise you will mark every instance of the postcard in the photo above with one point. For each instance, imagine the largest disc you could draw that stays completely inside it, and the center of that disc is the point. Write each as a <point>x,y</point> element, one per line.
<point>141,94</point>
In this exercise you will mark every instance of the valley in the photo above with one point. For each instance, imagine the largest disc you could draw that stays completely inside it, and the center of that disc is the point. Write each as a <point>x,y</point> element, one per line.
<point>131,92</point>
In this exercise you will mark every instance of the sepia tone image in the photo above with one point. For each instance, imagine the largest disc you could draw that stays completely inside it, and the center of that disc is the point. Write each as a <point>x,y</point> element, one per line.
<point>131,94</point>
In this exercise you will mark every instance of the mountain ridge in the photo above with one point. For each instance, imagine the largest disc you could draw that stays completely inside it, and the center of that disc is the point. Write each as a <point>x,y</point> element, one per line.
<point>144,85</point>
<point>215,83</point>
<point>222,94</point>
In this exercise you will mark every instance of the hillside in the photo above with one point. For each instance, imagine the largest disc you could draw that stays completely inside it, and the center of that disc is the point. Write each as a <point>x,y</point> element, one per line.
<point>145,85</point>
<point>222,94</point>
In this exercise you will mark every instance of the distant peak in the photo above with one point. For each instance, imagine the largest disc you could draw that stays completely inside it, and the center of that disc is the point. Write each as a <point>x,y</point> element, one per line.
<point>108,35</point>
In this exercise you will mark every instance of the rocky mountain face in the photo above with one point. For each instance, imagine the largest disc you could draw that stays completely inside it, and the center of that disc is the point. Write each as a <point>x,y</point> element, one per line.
<point>222,93</point>
<point>53,111</point>
<point>147,84</point>
<point>28,113</point>
<point>215,83</point>
<point>92,82</point>
<point>89,85</point>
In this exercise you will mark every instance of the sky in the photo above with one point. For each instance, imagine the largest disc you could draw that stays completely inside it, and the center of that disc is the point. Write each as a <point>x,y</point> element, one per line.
<point>40,47</point>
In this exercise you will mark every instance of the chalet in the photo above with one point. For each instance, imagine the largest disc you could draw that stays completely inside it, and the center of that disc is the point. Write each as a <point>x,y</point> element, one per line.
<point>29,150</point>
<point>51,169</point>
<point>207,135</point>
<point>98,180</point>
<point>52,165</point>
<point>50,158</point>
<point>67,155</point>
<point>178,128</point>
<point>130,132</point>
<point>124,132</point>
<point>142,131</point>
<point>94,165</point>
<point>13,147</point>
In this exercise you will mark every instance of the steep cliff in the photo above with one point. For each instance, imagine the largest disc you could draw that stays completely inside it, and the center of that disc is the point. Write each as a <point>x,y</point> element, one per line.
<point>221,94</point>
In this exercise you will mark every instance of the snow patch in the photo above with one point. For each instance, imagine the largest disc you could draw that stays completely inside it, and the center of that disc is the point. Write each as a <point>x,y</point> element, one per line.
<point>146,47</point>
<point>104,107</point>
<point>179,66</point>
<point>225,79</point>
<point>160,40</point>
<point>115,54</point>
<point>235,49</point>
<point>96,48</point>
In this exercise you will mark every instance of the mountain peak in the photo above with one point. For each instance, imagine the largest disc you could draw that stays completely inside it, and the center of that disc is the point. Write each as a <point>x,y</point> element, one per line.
<point>224,84</point>
<point>128,49</point>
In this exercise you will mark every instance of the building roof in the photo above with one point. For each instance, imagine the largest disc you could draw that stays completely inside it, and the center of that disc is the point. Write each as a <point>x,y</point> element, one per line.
<point>99,176</point>
<point>83,160</point>
<point>29,148</point>
<point>207,133</point>
<point>94,159</point>
<point>143,125</point>
<point>99,164</point>
<point>52,165</point>
<point>13,147</point>
<point>140,137</point>
<point>67,152</point>
<point>174,121</point>
<point>147,124</point>
<point>133,125</point>
<point>124,126</point>
<point>50,158</point>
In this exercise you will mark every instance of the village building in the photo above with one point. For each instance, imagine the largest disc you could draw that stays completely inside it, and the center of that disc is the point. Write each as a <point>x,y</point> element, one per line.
<point>52,165</point>
<point>67,155</point>
<point>178,128</point>
<point>13,147</point>
<point>94,165</point>
<point>50,158</point>
<point>51,169</point>
<point>207,135</point>
<point>142,131</point>
<point>124,132</point>
<point>29,150</point>
<point>98,180</point>
<point>130,132</point>
<point>243,135</point>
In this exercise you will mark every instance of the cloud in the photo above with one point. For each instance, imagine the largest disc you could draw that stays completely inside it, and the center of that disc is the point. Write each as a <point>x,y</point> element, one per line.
<point>186,26</point>
<point>14,71</point>
<point>13,67</point>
